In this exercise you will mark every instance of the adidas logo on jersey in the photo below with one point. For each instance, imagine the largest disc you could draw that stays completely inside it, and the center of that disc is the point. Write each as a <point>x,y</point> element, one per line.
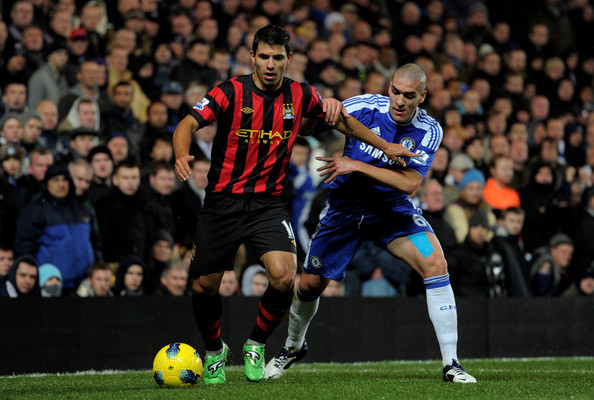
<point>376,130</point>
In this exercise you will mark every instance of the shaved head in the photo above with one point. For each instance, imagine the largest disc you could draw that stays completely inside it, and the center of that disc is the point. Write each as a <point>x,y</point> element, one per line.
<point>414,73</point>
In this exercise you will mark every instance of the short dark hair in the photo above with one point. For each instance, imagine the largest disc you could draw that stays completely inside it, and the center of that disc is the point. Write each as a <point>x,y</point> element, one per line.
<point>272,35</point>
<point>159,165</point>
<point>129,162</point>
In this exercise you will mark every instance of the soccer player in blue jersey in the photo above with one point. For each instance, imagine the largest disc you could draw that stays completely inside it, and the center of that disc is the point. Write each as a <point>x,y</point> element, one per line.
<point>369,200</point>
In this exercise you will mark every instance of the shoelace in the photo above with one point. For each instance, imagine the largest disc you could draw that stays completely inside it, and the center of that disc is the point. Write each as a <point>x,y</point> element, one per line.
<point>279,361</point>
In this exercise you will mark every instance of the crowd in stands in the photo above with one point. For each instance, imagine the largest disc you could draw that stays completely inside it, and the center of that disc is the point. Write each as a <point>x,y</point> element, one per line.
<point>91,92</point>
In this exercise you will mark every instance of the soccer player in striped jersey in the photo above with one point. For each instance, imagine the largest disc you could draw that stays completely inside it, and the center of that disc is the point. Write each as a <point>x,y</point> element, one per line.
<point>369,200</point>
<point>259,116</point>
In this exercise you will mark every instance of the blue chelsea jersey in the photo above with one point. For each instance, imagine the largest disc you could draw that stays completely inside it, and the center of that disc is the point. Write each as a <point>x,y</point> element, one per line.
<point>360,194</point>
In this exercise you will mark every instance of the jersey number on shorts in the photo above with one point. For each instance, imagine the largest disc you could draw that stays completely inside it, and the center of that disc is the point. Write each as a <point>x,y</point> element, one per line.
<point>420,221</point>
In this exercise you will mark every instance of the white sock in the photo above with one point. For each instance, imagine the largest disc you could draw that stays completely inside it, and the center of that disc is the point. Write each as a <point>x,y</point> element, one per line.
<point>300,315</point>
<point>441,305</point>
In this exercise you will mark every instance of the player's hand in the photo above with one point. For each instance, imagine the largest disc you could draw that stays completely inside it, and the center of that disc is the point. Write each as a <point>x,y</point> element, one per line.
<point>182,167</point>
<point>333,108</point>
<point>336,166</point>
<point>395,152</point>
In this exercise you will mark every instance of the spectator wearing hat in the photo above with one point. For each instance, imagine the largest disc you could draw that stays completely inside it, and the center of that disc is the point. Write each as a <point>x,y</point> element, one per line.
<point>11,161</point>
<point>78,45</point>
<point>550,272</point>
<point>172,96</point>
<point>49,81</point>
<point>118,145</point>
<point>56,229</point>
<point>50,280</point>
<point>11,129</point>
<point>102,165</point>
<point>82,141</point>
<point>469,202</point>
<point>475,267</point>
<point>22,279</point>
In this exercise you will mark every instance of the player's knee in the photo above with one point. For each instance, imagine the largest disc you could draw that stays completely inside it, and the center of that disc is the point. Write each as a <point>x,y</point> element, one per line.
<point>282,283</point>
<point>204,287</point>
<point>434,266</point>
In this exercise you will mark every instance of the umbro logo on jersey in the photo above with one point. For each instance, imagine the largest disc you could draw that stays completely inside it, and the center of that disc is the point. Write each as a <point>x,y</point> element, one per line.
<point>215,366</point>
<point>247,110</point>
<point>376,130</point>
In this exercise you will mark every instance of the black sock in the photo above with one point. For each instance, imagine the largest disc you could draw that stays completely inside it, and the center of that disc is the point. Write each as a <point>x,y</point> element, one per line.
<point>208,311</point>
<point>271,311</point>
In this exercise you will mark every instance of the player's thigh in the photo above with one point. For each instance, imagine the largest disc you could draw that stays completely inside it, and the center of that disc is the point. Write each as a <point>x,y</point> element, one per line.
<point>218,236</point>
<point>422,251</point>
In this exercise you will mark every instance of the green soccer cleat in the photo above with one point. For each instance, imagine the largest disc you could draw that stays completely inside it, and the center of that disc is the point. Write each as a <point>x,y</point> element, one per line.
<point>214,367</point>
<point>253,357</point>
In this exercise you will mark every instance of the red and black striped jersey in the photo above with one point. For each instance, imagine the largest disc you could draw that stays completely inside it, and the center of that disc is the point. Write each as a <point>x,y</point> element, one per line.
<point>255,133</point>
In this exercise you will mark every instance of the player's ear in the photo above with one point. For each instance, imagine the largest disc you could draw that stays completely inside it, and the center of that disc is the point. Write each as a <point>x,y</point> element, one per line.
<point>423,95</point>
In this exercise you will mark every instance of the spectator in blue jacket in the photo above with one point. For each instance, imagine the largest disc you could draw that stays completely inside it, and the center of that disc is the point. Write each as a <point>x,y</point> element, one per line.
<point>57,229</point>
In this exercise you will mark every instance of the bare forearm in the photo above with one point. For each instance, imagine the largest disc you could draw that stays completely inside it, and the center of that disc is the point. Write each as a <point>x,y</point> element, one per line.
<point>182,137</point>
<point>351,127</point>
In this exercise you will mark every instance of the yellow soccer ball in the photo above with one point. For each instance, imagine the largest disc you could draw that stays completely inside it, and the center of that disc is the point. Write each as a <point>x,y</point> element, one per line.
<point>177,365</point>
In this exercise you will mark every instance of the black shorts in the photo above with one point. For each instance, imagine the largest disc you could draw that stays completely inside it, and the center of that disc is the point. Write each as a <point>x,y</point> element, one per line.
<point>226,221</point>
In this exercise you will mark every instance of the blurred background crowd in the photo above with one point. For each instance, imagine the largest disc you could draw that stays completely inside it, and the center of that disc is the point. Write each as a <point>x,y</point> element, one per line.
<point>92,92</point>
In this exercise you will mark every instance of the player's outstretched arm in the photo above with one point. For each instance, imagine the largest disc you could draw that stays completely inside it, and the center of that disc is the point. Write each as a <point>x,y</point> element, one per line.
<point>353,128</point>
<point>182,138</point>
<point>406,180</point>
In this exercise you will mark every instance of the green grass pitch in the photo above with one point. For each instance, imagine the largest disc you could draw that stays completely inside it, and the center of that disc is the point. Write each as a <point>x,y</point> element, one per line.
<point>550,378</point>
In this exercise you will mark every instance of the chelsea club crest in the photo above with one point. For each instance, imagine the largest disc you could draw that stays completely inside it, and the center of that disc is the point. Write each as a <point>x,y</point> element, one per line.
<point>407,142</point>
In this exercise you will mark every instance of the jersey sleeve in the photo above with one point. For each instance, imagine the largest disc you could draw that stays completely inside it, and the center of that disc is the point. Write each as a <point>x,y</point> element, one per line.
<point>213,104</point>
<point>313,107</point>
<point>426,148</point>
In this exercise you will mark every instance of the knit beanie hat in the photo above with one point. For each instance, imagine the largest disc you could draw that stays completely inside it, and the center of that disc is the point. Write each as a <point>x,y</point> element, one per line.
<point>48,271</point>
<point>472,175</point>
